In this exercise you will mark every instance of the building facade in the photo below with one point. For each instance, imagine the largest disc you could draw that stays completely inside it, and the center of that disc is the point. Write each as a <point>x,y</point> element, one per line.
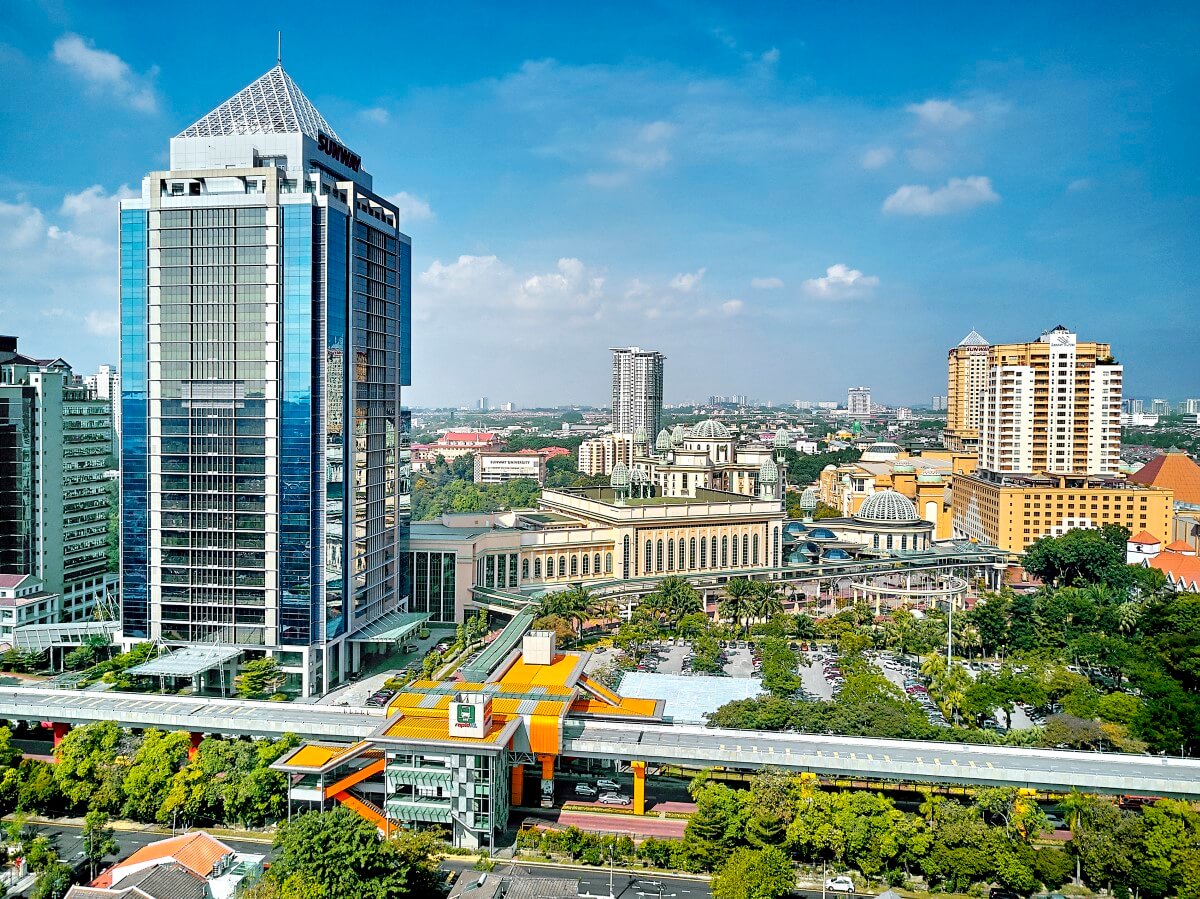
<point>637,390</point>
<point>1052,405</point>
<point>598,455</point>
<point>55,447</point>
<point>105,385</point>
<point>265,294</point>
<point>967,368</point>
<point>858,402</point>
<point>496,468</point>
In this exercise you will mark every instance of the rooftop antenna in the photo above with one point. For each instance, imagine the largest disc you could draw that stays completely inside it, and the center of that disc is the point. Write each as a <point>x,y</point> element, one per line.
<point>279,48</point>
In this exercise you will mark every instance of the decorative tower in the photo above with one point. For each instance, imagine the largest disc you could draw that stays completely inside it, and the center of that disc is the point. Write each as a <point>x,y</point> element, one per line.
<point>619,481</point>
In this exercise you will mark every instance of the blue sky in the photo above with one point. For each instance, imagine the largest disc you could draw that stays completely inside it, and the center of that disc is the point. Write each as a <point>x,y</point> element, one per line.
<point>785,199</point>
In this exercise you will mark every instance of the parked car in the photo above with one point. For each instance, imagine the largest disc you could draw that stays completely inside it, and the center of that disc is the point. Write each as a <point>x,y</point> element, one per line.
<point>1003,893</point>
<point>607,783</point>
<point>582,789</point>
<point>840,884</point>
<point>614,799</point>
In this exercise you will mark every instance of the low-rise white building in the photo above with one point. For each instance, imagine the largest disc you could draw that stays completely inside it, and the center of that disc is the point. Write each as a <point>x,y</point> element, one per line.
<point>496,468</point>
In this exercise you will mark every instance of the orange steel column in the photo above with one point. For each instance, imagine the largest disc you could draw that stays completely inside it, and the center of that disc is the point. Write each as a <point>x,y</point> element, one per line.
<point>518,784</point>
<point>60,730</point>
<point>639,787</point>
<point>547,766</point>
<point>194,748</point>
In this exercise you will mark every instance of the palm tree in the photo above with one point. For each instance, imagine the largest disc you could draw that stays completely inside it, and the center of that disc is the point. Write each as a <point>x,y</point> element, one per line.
<point>933,665</point>
<point>736,605</point>
<point>1073,806</point>
<point>574,604</point>
<point>767,601</point>
<point>1128,614</point>
<point>930,807</point>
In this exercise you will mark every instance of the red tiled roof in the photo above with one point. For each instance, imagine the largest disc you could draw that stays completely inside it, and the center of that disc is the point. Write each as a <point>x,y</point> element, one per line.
<point>12,580</point>
<point>198,852</point>
<point>1180,546</point>
<point>1179,567</point>
<point>1144,538</point>
<point>468,437</point>
<point>1176,472</point>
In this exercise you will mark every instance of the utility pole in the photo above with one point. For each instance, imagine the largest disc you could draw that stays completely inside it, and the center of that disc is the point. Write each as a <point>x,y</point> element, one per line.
<point>949,634</point>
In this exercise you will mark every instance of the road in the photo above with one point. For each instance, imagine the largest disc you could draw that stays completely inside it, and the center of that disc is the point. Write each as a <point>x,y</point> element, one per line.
<point>69,840</point>
<point>594,881</point>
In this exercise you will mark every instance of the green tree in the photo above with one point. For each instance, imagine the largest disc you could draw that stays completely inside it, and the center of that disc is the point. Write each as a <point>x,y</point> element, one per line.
<point>98,840</point>
<point>153,768</point>
<point>738,603</point>
<point>53,882</point>
<point>1080,556</point>
<point>259,678</point>
<point>91,764</point>
<point>755,874</point>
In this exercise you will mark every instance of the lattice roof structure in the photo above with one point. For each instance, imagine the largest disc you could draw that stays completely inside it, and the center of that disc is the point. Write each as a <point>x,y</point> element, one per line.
<point>273,104</point>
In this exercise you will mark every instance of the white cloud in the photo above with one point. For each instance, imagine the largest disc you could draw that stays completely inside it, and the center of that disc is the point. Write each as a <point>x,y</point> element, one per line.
<point>958,195</point>
<point>484,282</point>
<point>685,282</point>
<point>766,283</point>
<point>107,73</point>
<point>771,55</point>
<point>941,114</point>
<point>646,150</point>
<point>411,209</point>
<point>877,157</point>
<point>103,324</point>
<point>1080,184</point>
<point>607,180</point>
<point>376,115</point>
<point>732,307</point>
<point>840,282</point>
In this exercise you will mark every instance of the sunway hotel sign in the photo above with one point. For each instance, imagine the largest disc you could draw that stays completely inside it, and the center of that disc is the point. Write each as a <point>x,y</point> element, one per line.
<point>338,151</point>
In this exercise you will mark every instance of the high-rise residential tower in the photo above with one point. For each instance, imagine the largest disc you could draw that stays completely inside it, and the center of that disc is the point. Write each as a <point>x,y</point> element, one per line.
<point>637,390</point>
<point>55,443</point>
<point>265,291</point>
<point>858,402</point>
<point>967,367</point>
<point>1051,405</point>
<point>105,385</point>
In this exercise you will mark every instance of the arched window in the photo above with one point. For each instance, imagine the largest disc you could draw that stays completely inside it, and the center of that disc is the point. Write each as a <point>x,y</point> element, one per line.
<point>877,541</point>
<point>625,546</point>
<point>608,560</point>
<point>754,544</point>
<point>670,555</point>
<point>745,549</point>
<point>649,560</point>
<point>889,541</point>
<point>703,552</point>
<point>574,566</point>
<point>524,569</point>
<point>550,567</point>
<point>587,563</point>
<point>658,557</point>
<point>904,541</point>
<point>724,552</point>
<point>537,568</point>
<point>692,553</point>
<point>734,556</point>
<point>713,544</point>
<point>562,566</point>
<point>596,563</point>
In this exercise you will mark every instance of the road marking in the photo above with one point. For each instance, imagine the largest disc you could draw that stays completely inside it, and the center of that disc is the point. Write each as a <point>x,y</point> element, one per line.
<point>887,758</point>
<point>920,761</point>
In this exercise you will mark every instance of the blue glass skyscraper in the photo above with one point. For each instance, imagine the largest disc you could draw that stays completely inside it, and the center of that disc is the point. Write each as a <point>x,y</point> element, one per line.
<point>265,297</point>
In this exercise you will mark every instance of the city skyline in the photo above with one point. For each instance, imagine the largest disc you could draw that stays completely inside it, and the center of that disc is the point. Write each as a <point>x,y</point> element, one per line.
<point>786,194</point>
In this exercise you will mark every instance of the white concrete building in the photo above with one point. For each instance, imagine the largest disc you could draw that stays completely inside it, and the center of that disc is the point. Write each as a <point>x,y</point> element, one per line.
<point>637,390</point>
<point>858,402</point>
<point>496,468</point>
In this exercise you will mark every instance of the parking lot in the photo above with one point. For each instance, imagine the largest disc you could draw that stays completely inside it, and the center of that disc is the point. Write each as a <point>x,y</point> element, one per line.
<point>675,657</point>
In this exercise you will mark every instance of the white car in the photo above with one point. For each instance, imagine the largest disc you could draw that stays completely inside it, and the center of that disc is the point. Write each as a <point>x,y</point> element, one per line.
<point>840,884</point>
<point>606,783</point>
<point>613,799</point>
<point>585,790</point>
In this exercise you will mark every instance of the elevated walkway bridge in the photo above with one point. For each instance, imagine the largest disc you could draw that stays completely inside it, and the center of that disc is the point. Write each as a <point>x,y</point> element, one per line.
<point>675,744</point>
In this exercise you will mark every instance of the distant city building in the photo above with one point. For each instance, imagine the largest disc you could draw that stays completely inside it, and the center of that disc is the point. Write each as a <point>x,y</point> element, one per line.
<point>903,413</point>
<point>1160,407</point>
<point>1190,406</point>
<point>105,385</point>
<point>265,297</point>
<point>55,446</point>
<point>858,402</point>
<point>938,404</point>
<point>508,407</point>
<point>496,468</point>
<point>598,455</point>
<point>24,602</point>
<point>483,404</point>
<point>967,370</point>
<point>1138,420</point>
<point>637,390</point>
<point>1132,406</point>
<point>453,444</point>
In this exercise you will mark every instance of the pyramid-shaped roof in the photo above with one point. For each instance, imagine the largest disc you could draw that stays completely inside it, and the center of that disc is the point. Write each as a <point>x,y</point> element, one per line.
<point>973,339</point>
<point>1173,470</point>
<point>273,104</point>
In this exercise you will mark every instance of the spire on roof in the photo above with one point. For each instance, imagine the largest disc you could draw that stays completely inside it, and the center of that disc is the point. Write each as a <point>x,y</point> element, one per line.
<point>973,339</point>
<point>273,104</point>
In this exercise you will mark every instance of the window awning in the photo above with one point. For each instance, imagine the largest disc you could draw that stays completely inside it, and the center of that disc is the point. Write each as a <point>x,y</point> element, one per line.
<point>188,661</point>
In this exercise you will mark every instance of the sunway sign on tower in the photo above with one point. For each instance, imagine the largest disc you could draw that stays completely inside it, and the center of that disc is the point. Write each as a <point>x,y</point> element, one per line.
<point>332,148</point>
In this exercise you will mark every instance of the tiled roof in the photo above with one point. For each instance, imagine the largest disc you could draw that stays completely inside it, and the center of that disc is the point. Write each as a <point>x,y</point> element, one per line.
<point>198,852</point>
<point>1179,568</point>
<point>12,580</point>
<point>468,437</point>
<point>1180,546</point>
<point>1144,538</point>
<point>1176,472</point>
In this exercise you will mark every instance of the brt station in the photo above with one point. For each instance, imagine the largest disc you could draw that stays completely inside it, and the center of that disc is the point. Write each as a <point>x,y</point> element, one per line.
<point>462,754</point>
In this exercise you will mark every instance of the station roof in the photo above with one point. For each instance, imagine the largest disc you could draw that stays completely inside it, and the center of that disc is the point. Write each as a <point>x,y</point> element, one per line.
<point>391,627</point>
<point>563,671</point>
<point>188,661</point>
<point>434,731</point>
<point>317,757</point>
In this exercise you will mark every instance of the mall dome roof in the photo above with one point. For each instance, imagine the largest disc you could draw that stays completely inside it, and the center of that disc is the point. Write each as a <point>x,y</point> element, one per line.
<point>881,451</point>
<point>662,442</point>
<point>768,472</point>
<point>639,434</point>
<point>821,534</point>
<point>887,506</point>
<point>809,498</point>
<point>619,476</point>
<point>677,435</point>
<point>710,429</point>
<point>794,528</point>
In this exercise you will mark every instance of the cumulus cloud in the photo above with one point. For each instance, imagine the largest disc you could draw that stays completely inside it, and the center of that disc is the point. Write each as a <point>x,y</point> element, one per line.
<point>771,55</point>
<point>943,114</point>
<point>686,282</point>
<point>488,283</point>
<point>1080,184</point>
<point>377,115</point>
<point>877,157</point>
<point>958,195</point>
<point>106,73</point>
<point>103,323</point>
<point>645,150</point>
<point>732,307</point>
<point>840,282</point>
<point>411,209</point>
<point>766,283</point>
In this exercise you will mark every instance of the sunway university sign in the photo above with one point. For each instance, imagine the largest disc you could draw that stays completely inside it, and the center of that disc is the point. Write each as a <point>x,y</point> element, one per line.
<point>338,151</point>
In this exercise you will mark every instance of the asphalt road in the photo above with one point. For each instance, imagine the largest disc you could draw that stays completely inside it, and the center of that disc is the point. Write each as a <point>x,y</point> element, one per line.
<point>595,880</point>
<point>69,841</point>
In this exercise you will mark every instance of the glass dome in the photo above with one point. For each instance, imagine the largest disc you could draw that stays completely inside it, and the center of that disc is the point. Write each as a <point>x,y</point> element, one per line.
<point>619,476</point>
<point>887,506</point>
<point>809,498</point>
<point>836,554</point>
<point>821,534</point>
<point>780,440</point>
<point>768,472</point>
<point>639,434</point>
<point>662,442</point>
<point>710,429</point>
<point>677,435</point>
